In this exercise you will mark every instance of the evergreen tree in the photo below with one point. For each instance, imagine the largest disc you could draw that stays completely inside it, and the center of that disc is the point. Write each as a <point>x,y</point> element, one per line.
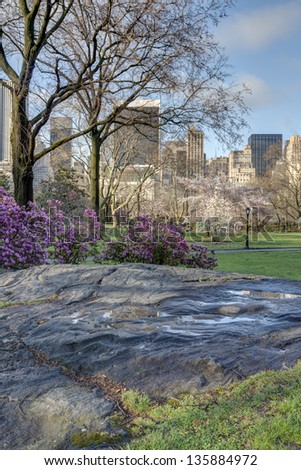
<point>5,181</point>
<point>64,187</point>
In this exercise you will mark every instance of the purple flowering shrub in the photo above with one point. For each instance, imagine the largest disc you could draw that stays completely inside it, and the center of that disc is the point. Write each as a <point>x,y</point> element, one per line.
<point>23,234</point>
<point>31,236</point>
<point>149,241</point>
<point>200,258</point>
<point>73,239</point>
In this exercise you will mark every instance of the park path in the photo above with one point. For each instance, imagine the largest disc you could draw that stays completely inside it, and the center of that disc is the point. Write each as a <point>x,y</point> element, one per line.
<point>256,250</point>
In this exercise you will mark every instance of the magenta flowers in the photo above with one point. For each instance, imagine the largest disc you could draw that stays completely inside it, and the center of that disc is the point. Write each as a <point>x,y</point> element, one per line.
<point>30,236</point>
<point>151,241</point>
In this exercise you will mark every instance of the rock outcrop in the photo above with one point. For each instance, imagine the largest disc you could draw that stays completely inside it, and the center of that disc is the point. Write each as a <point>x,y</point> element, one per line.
<point>162,330</point>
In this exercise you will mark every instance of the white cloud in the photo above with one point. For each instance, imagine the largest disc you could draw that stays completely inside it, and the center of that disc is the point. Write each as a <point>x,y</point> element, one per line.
<point>258,28</point>
<point>261,93</point>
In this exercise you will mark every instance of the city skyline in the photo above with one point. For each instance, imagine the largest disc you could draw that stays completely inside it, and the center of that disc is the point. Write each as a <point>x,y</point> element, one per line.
<point>261,39</point>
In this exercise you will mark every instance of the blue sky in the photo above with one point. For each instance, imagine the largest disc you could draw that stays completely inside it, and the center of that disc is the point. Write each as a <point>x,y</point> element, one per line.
<point>262,39</point>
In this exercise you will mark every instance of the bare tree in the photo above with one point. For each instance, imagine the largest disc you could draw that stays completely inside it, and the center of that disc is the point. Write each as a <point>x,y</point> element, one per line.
<point>26,27</point>
<point>285,189</point>
<point>109,52</point>
<point>122,178</point>
<point>146,49</point>
<point>272,156</point>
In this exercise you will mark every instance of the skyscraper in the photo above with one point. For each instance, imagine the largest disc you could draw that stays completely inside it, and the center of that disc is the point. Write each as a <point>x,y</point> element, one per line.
<point>218,166</point>
<point>293,150</point>
<point>195,166</point>
<point>241,170</point>
<point>292,159</point>
<point>136,144</point>
<point>61,127</point>
<point>174,156</point>
<point>266,149</point>
<point>5,130</point>
<point>5,121</point>
<point>140,132</point>
<point>41,169</point>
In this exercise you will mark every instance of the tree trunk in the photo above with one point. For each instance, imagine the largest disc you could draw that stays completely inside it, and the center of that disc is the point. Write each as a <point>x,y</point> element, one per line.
<point>23,183</point>
<point>138,203</point>
<point>103,213</point>
<point>95,167</point>
<point>22,152</point>
<point>115,218</point>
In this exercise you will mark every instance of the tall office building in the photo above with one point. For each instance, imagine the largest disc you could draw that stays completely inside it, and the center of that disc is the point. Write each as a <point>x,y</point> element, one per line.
<point>241,170</point>
<point>266,149</point>
<point>196,158</point>
<point>174,156</point>
<point>293,150</point>
<point>5,128</point>
<point>41,169</point>
<point>292,158</point>
<point>218,166</point>
<point>140,132</point>
<point>136,143</point>
<point>61,127</point>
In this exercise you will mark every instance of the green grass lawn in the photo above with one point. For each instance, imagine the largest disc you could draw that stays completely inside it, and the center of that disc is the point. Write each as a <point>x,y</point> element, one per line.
<point>286,264</point>
<point>262,412</point>
<point>275,240</point>
<point>271,240</point>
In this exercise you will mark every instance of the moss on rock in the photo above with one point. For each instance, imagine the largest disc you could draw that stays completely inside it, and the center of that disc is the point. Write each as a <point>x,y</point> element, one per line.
<point>84,439</point>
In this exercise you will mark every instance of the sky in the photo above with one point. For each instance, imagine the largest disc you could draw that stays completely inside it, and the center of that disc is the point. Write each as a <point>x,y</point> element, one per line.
<point>262,39</point>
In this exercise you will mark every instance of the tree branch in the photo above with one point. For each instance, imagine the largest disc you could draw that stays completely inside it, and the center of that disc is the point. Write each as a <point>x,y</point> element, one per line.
<point>24,7</point>
<point>5,66</point>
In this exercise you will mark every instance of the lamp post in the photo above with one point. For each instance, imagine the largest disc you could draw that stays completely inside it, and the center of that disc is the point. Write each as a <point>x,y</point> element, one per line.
<point>248,210</point>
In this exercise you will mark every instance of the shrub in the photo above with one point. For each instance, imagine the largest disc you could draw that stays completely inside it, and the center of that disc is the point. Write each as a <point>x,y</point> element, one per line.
<point>149,241</point>
<point>23,234</point>
<point>73,239</point>
<point>200,258</point>
<point>27,233</point>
